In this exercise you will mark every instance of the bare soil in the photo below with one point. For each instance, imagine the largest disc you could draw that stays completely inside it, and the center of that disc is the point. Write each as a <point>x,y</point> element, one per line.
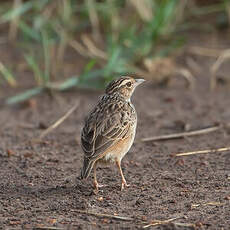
<point>40,188</point>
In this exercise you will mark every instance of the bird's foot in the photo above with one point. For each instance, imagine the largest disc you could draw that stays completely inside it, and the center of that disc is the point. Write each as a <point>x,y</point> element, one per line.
<point>124,185</point>
<point>97,186</point>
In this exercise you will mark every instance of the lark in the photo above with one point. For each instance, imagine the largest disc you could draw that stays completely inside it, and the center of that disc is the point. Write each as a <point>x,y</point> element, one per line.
<point>110,128</point>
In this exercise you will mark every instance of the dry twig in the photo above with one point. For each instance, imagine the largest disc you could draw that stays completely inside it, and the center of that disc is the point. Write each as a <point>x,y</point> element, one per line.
<point>79,48</point>
<point>183,134</point>
<point>13,29</point>
<point>26,125</point>
<point>202,151</point>
<point>47,228</point>
<point>143,8</point>
<point>202,51</point>
<point>221,59</point>
<point>213,203</point>
<point>92,47</point>
<point>124,218</point>
<point>162,69</point>
<point>184,225</point>
<point>104,215</point>
<point>94,19</point>
<point>188,76</point>
<point>193,65</point>
<point>59,121</point>
<point>159,222</point>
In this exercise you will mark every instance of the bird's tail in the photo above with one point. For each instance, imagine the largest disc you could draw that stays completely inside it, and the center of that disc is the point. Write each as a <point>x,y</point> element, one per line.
<point>87,167</point>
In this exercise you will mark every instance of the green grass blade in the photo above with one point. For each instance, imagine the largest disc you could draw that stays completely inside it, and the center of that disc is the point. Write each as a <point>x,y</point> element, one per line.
<point>24,96</point>
<point>39,5</point>
<point>35,68</point>
<point>67,11</point>
<point>111,65</point>
<point>29,32</point>
<point>163,12</point>
<point>7,75</point>
<point>209,9</point>
<point>91,75</point>
<point>11,14</point>
<point>167,50</point>
<point>67,84</point>
<point>92,79</point>
<point>46,49</point>
<point>70,83</point>
<point>89,65</point>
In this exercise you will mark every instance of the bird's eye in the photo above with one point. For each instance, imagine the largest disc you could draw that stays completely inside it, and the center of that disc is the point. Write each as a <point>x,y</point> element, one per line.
<point>128,84</point>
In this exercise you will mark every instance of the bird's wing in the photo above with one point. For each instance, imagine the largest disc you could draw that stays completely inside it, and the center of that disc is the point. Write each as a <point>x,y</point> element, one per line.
<point>100,134</point>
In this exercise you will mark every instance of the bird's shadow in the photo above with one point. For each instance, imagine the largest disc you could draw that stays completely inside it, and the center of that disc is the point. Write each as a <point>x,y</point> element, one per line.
<point>77,187</point>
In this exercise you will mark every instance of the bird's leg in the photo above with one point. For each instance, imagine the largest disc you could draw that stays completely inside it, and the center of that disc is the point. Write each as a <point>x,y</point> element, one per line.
<point>123,181</point>
<point>96,185</point>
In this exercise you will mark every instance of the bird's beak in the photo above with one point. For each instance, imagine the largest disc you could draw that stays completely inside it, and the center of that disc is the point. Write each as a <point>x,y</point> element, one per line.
<point>139,81</point>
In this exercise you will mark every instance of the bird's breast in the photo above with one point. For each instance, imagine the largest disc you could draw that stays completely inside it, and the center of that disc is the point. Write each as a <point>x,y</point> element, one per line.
<point>119,150</point>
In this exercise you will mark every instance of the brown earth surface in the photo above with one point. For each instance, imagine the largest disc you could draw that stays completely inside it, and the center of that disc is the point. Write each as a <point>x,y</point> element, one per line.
<point>40,189</point>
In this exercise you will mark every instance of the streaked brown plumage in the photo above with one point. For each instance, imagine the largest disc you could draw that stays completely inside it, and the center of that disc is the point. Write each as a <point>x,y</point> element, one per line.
<point>110,128</point>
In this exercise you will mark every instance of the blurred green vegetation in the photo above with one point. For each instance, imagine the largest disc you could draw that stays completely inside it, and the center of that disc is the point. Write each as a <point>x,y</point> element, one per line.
<point>113,36</point>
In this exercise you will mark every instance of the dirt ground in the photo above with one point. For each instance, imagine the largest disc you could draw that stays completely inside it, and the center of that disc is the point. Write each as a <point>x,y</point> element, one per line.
<point>40,189</point>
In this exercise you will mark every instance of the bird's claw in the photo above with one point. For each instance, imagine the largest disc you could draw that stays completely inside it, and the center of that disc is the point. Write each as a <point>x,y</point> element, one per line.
<point>97,186</point>
<point>124,185</point>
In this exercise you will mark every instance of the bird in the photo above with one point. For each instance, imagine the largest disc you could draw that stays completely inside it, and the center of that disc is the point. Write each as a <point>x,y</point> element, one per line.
<point>110,128</point>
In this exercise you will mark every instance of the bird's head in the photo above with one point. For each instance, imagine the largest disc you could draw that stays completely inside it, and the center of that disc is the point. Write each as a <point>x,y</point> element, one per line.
<point>124,86</point>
